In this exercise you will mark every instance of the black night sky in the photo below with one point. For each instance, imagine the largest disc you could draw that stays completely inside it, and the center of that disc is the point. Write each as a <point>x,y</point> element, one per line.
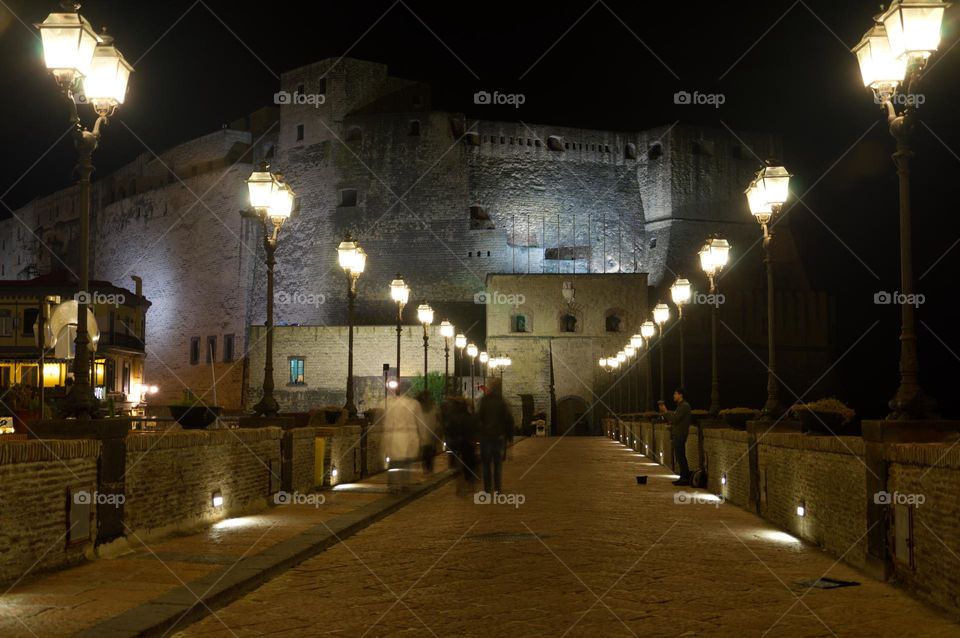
<point>784,67</point>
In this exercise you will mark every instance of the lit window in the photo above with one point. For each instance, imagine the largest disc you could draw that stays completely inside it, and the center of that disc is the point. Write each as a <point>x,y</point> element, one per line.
<point>348,197</point>
<point>194,351</point>
<point>296,371</point>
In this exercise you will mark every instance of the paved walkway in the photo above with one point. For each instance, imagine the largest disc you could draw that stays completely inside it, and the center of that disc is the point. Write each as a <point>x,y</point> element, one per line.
<point>588,553</point>
<point>119,596</point>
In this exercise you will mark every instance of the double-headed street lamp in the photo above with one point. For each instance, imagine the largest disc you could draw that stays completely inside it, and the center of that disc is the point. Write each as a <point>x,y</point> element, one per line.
<point>661,315</point>
<point>460,342</point>
<point>647,330</point>
<point>681,293</point>
<point>272,199</point>
<point>400,293</point>
<point>713,258</point>
<point>766,196</point>
<point>88,69</point>
<point>353,260</point>
<point>892,54</point>
<point>446,331</point>
<point>425,316</point>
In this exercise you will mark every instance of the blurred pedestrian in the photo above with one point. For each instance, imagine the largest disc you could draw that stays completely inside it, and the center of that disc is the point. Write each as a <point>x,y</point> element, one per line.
<point>459,428</point>
<point>428,430</point>
<point>401,439</point>
<point>496,431</point>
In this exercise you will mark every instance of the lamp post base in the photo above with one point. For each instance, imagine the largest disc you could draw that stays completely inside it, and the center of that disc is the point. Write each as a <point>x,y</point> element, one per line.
<point>772,410</point>
<point>80,403</point>
<point>911,403</point>
<point>267,406</point>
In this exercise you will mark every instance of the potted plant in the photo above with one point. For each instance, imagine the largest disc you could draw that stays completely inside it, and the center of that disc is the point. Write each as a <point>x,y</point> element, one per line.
<point>738,417</point>
<point>825,415</point>
<point>25,405</point>
<point>191,413</point>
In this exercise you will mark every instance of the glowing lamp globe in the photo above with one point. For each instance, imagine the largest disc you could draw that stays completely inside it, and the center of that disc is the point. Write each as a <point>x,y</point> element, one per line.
<point>647,330</point>
<point>681,291</point>
<point>661,313</point>
<point>105,84</point>
<point>282,204</point>
<point>882,70</point>
<point>757,200</point>
<point>399,291</point>
<point>460,341</point>
<point>425,314</point>
<point>261,185</point>
<point>774,181</point>
<point>636,341</point>
<point>913,26</point>
<point>630,351</point>
<point>603,363</point>
<point>472,350</point>
<point>446,329</point>
<point>69,43</point>
<point>347,253</point>
<point>484,357</point>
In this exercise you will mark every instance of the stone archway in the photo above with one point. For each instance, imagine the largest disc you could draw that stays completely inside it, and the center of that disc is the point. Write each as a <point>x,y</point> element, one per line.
<point>573,416</point>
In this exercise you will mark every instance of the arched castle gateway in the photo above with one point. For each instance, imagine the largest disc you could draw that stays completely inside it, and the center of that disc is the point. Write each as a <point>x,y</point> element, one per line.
<point>446,199</point>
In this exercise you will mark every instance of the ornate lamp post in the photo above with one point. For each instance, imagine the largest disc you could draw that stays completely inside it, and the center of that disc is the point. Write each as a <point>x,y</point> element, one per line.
<point>895,53</point>
<point>766,196</point>
<point>484,358</point>
<point>631,352</point>
<point>472,352</point>
<point>272,200</point>
<point>425,316</point>
<point>647,330</point>
<point>661,314</point>
<point>446,331</point>
<point>713,258</point>
<point>353,260</point>
<point>400,293</point>
<point>637,343</point>
<point>460,342</point>
<point>88,69</point>
<point>681,292</point>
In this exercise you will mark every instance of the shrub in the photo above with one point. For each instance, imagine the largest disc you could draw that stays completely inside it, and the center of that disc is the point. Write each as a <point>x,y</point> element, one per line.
<point>829,406</point>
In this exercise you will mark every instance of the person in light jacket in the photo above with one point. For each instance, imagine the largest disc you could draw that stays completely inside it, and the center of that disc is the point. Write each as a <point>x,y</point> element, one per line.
<point>401,438</point>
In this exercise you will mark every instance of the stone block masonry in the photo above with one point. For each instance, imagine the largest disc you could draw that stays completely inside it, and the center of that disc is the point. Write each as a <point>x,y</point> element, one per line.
<point>37,477</point>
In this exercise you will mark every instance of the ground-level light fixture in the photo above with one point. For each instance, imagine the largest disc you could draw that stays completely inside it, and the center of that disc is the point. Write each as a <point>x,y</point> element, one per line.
<point>217,499</point>
<point>801,509</point>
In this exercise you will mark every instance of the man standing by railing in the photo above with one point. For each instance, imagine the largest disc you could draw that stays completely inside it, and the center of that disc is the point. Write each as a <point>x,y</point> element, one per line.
<point>679,430</point>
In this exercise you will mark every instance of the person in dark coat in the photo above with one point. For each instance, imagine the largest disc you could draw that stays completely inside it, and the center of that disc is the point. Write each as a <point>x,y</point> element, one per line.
<point>679,421</point>
<point>460,430</point>
<point>496,431</point>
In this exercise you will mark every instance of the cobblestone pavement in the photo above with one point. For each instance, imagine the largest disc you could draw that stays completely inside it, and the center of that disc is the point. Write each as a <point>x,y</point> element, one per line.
<point>588,553</point>
<point>65,602</point>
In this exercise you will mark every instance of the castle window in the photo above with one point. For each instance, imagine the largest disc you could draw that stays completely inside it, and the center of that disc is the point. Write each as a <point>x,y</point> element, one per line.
<point>503,140</point>
<point>655,151</point>
<point>296,371</point>
<point>566,145</point>
<point>511,141</point>
<point>29,318</point>
<point>519,323</point>
<point>211,349</point>
<point>228,348</point>
<point>414,127</point>
<point>630,151</point>
<point>322,86</point>
<point>194,350</point>
<point>613,322</point>
<point>472,139</point>
<point>554,143</point>
<point>568,323</point>
<point>606,148</point>
<point>299,132</point>
<point>348,197</point>
<point>537,143</point>
<point>355,134</point>
<point>529,142</point>
<point>480,219</point>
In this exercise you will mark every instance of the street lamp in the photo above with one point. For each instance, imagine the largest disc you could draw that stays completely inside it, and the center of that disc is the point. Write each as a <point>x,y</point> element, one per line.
<point>425,316</point>
<point>460,341</point>
<point>647,330</point>
<point>87,68</point>
<point>400,293</point>
<point>472,352</point>
<point>894,52</point>
<point>766,196</point>
<point>446,331</point>
<point>661,314</point>
<point>681,292</point>
<point>272,200</point>
<point>713,257</point>
<point>353,260</point>
<point>484,358</point>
